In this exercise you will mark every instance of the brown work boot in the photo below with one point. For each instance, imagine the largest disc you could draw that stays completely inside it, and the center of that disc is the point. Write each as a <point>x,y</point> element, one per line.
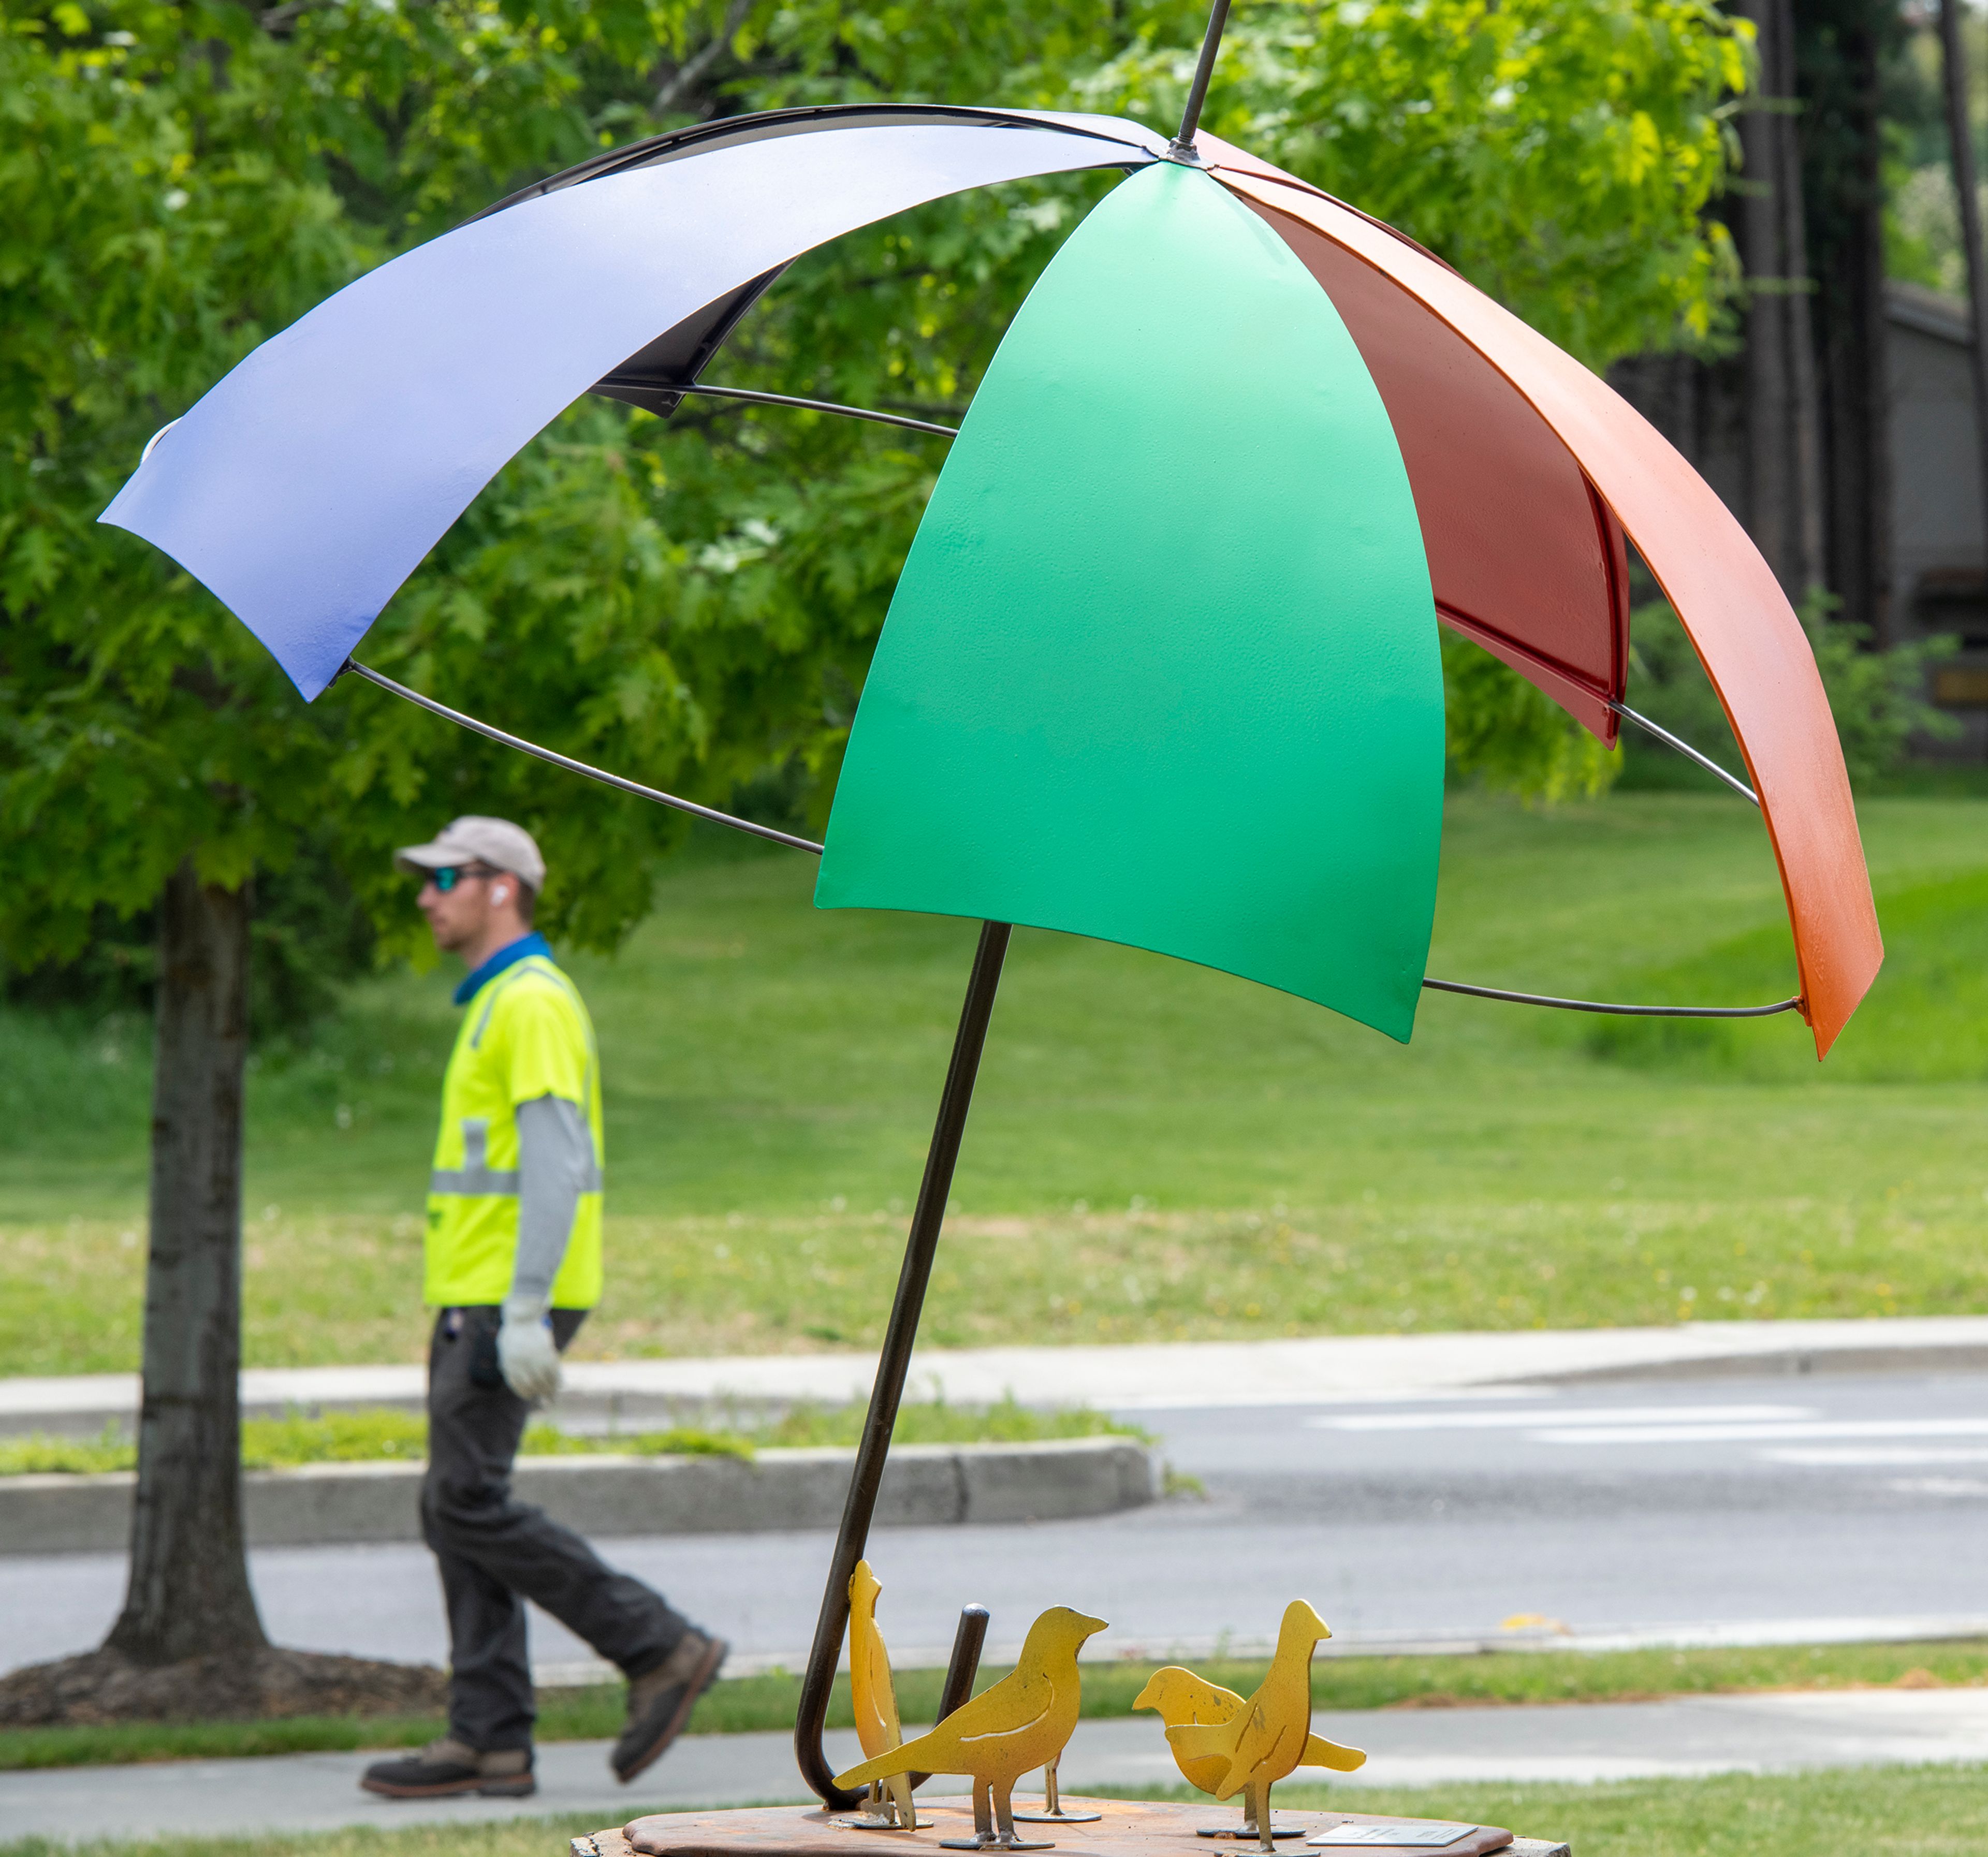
<point>660,1701</point>
<point>450,1766</point>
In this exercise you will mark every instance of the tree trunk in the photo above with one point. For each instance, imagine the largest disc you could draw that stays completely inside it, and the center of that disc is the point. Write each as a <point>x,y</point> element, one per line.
<point>1960,141</point>
<point>1806,417</point>
<point>1794,432</point>
<point>1783,448</point>
<point>189,1595</point>
<point>1841,48</point>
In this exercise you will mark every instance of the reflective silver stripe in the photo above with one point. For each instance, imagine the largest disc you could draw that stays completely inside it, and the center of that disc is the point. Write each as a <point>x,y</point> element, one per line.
<point>475,1184</point>
<point>475,1179</point>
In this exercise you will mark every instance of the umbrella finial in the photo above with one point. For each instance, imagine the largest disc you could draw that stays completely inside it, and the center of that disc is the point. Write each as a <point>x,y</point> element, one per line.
<point>1182,149</point>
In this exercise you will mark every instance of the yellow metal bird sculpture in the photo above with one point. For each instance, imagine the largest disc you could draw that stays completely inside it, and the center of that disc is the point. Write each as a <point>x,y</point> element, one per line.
<point>1270,1735</point>
<point>875,1696</point>
<point>1019,1724</point>
<point>1185,1699</point>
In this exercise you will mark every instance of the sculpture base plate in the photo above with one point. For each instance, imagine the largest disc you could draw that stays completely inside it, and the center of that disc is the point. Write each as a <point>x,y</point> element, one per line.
<point>1279,1828</point>
<point>1123,1828</point>
<point>1057,1818</point>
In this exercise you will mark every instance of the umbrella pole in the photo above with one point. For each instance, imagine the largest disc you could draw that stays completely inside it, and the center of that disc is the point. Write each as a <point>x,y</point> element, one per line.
<point>1182,145</point>
<point>888,1388</point>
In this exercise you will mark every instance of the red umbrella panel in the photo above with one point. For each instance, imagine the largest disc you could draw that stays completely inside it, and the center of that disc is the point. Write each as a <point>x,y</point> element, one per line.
<point>1528,470</point>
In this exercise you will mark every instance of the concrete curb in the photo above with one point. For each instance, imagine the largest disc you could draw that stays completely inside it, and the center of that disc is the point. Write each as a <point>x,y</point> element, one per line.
<point>924,1485</point>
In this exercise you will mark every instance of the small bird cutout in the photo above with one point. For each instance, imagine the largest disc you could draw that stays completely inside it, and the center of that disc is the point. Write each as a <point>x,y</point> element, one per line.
<point>875,1696</point>
<point>1022,1722</point>
<point>1225,1745</point>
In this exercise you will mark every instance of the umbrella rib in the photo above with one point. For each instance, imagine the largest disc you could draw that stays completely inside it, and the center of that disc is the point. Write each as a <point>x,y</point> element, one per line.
<point>579,767</point>
<point>776,837</point>
<point>1690,753</point>
<point>818,406</point>
<point>1626,1012</point>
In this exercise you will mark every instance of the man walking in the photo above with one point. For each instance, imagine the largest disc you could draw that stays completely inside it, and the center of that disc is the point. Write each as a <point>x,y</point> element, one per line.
<point>513,1265</point>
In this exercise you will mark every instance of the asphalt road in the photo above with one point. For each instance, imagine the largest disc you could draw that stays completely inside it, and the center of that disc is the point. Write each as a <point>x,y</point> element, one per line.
<point>1788,1507</point>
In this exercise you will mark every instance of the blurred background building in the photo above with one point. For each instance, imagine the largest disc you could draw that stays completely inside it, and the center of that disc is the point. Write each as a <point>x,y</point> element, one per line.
<point>1840,420</point>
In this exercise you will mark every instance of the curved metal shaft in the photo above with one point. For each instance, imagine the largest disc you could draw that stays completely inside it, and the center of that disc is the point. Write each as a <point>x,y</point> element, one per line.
<point>1625,1011</point>
<point>808,844</point>
<point>888,1390</point>
<point>1690,753</point>
<point>579,767</point>
<point>821,406</point>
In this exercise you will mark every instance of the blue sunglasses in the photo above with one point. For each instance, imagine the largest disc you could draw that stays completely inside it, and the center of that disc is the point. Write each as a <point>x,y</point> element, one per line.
<point>450,875</point>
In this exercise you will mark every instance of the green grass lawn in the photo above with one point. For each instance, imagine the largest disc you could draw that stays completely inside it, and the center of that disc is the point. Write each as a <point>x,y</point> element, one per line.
<point>1157,1151</point>
<point>1884,1811</point>
<point>768,1701</point>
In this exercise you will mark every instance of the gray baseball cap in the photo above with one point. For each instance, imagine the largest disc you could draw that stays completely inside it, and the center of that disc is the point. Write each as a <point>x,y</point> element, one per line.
<point>475,840</point>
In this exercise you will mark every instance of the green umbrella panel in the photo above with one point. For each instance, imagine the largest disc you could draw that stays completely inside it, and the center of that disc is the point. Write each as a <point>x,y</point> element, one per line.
<point>1162,667</point>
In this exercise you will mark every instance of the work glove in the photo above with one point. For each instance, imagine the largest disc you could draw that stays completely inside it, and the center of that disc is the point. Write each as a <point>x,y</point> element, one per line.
<point>525,1353</point>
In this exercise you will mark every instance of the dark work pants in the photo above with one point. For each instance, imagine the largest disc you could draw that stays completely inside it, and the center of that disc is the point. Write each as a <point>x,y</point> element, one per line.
<point>496,1552</point>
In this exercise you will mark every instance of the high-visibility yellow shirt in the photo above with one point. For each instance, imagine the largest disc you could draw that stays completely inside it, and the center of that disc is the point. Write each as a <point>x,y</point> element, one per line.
<point>526,1034</point>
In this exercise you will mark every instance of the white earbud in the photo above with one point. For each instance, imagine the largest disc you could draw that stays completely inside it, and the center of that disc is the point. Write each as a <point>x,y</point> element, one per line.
<point>500,895</point>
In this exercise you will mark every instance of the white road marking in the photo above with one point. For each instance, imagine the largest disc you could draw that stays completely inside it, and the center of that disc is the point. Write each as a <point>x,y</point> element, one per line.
<point>1875,1457</point>
<point>1521,1420</point>
<point>1754,1434</point>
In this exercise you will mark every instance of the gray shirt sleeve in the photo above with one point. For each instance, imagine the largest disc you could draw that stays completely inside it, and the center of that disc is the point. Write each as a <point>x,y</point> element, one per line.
<point>555,1165</point>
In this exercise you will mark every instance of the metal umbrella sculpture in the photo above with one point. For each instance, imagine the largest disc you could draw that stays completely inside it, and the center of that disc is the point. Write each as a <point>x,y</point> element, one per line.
<point>1160,667</point>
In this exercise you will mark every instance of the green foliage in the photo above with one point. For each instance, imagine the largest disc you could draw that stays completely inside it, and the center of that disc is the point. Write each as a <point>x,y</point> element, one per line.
<point>694,601</point>
<point>766,1703</point>
<point>383,1434</point>
<point>40,1454</point>
<point>1876,1811</point>
<point>1668,684</point>
<point>162,214</point>
<point>353,1437</point>
<point>1877,698</point>
<point>1926,1023</point>
<point>935,1422</point>
<point>28,1750</point>
<point>1921,208</point>
<point>543,1440</point>
<point>308,936</point>
<point>1560,156</point>
<point>1501,731</point>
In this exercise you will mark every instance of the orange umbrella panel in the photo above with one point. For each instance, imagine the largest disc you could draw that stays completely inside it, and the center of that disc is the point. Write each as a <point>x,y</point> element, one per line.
<point>1460,396</point>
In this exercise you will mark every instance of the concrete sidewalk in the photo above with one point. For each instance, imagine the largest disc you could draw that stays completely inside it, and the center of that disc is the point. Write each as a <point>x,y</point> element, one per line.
<point>1681,1739</point>
<point>1141,1377</point>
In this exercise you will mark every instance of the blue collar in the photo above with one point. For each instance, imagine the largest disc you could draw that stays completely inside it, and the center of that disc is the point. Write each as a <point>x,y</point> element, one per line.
<point>522,949</point>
